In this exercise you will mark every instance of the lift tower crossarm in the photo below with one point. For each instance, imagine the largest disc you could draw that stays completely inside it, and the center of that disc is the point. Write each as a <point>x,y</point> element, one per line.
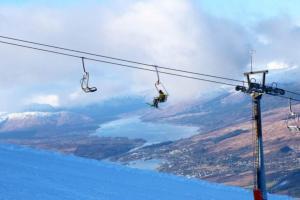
<point>263,72</point>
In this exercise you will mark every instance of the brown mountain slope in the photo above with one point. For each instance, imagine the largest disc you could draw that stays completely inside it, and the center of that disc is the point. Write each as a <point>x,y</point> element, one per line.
<point>226,155</point>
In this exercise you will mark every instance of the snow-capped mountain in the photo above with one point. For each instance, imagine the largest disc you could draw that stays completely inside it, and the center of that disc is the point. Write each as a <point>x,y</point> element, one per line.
<point>43,118</point>
<point>44,121</point>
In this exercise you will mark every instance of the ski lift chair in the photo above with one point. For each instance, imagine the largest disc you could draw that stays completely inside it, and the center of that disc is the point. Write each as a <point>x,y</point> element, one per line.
<point>293,120</point>
<point>162,92</point>
<point>85,80</point>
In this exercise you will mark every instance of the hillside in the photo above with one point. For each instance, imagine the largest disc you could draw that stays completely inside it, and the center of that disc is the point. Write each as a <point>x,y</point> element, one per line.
<point>31,174</point>
<point>225,155</point>
<point>220,151</point>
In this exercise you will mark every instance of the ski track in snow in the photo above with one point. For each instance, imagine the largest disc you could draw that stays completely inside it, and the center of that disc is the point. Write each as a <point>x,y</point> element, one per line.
<point>28,174</point>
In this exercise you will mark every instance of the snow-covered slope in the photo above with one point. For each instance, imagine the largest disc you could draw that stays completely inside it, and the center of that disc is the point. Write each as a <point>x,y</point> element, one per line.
<point>35,175</point>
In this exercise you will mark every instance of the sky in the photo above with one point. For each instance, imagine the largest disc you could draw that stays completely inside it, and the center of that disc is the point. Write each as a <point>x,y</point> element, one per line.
<point>206,36</point>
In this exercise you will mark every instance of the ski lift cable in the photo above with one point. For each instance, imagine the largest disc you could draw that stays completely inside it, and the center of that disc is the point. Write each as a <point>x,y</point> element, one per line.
<point>115,63</point>
<point>291,92</point>
<point>290,98</point>
<point>119,59</point>
<point>130,61</point>
<point>131,66</point>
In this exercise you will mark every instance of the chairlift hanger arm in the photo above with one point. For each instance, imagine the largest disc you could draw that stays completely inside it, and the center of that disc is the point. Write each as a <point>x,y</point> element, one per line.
<point>290,103</point>
<point>83,66</point>
<point>157,73</point>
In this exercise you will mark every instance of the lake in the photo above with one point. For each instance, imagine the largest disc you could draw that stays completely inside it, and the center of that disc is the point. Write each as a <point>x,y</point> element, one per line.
<point>134,127</point>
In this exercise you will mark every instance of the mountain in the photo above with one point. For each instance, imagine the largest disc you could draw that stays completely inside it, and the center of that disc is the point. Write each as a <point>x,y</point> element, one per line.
<point>223,110</point>
<point>110,109</point>
<point>225,155</point>
<point>220,151</point>
<point>70,129</point>
<point>35,175</point>
<point>32,123</point>
<point>43,119</point>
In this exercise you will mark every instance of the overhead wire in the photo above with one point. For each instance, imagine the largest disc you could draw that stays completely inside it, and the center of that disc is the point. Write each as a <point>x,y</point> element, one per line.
<point>126,60</point>
<point>130,66</point>
<point>284,97</point>
<point>119,59</point>
<point>291,92</point>
<point>115,63</point>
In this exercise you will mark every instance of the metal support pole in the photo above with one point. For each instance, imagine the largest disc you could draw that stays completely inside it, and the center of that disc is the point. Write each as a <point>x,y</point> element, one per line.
<point>256,90</point>
<point>260,190</point>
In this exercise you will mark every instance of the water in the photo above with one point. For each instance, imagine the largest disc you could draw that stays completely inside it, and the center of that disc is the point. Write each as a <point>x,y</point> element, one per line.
<point>134,127</point>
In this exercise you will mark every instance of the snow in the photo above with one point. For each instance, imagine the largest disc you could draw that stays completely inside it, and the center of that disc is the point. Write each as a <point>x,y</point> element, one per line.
<point>31,114</point>
<point>39,175</point>
<point>24,115</point>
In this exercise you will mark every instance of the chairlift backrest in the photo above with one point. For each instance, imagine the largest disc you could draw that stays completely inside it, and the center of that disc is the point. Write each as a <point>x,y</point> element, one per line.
<point>161,86</point>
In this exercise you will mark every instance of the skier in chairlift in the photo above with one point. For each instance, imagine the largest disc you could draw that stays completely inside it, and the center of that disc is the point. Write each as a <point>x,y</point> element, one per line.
<point>161,98</point>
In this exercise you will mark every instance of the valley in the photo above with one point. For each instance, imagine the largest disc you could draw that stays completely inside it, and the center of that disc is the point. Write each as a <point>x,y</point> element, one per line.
<point>226,155</point>
<point>209,140</point>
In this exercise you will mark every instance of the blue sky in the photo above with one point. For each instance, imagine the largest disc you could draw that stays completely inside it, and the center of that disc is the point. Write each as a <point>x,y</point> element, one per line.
<point>239,10</point>
<point>206,36</point>
<point>251,10</point>
<point>48,2</point>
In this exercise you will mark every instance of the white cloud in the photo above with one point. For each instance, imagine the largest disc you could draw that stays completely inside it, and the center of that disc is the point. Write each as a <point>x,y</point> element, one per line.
<point>275,65</point>
<point>75,95</point>
<point>168,33</point>
<point>263,39</point>
<point>176,34</point>
<point>51,99</point>
<point>283,35</point>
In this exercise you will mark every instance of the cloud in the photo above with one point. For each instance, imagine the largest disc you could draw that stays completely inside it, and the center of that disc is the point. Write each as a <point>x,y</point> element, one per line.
<point>176,34</point>
<point>281,51</point>
<point>51,99</point>
<point>283,35</point>
<point>277,65</point>
<point>167,33</point>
